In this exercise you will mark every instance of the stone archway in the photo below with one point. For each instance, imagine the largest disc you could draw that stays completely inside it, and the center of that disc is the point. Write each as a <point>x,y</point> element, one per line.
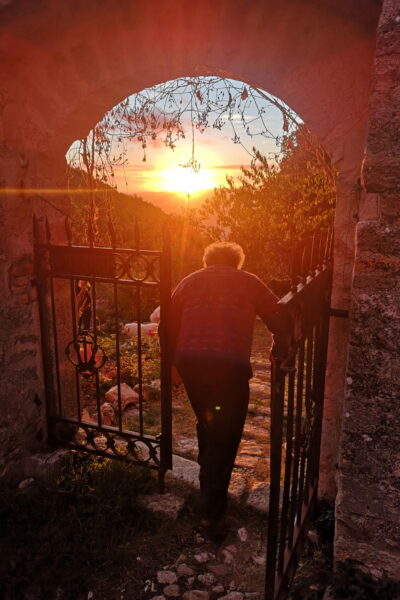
<point>63,67</point>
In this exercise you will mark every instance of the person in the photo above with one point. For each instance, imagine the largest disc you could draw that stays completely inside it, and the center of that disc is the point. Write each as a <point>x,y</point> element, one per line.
<point>210,329</point>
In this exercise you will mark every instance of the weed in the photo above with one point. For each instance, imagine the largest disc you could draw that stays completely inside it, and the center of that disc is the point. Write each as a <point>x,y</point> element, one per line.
<point>62,537</point>
<point>351,583</point>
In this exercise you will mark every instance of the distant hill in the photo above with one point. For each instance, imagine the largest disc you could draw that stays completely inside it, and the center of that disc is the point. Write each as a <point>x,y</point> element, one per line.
<point>126,211</point>
<point>171,202</point>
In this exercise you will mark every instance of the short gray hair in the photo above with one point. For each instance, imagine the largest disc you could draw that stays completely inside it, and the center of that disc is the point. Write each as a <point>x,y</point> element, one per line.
<point>224,253</point>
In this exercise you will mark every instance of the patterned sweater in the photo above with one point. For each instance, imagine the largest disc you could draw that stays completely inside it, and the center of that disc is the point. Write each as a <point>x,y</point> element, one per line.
<point>213,311</point>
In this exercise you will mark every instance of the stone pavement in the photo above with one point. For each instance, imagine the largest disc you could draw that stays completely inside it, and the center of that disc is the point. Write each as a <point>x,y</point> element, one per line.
<point>207,571</point>
<point>232,571</point>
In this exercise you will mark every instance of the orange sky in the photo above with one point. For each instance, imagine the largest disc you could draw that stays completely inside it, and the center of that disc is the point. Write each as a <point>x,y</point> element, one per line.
<point>163,171</point>
<point>162,176</point>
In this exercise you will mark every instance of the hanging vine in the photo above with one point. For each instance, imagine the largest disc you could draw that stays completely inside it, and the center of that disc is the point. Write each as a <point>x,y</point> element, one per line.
<point>173,111</point>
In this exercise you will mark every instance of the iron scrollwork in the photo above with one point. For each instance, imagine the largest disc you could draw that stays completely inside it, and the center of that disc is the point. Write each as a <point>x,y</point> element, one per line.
<point>85,354</point>
<point>138,268</point>
<point>118,444</point>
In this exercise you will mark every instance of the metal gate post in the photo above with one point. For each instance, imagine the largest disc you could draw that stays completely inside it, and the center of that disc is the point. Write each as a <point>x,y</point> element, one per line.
<point>166,408</point>
<point>45,337</point>
<point>296,415</point>
<point>277,401</point>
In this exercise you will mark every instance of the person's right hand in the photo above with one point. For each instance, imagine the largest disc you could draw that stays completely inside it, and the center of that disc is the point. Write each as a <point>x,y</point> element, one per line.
<point>288,364</point>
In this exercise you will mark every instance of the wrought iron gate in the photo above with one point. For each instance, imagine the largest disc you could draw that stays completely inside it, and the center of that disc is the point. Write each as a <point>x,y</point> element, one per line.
<point>297,396</point>
<point>80,347</point>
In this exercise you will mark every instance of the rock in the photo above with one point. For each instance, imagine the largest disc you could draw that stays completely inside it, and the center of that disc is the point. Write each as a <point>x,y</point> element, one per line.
<point>219,570</point>
<point>185,469</point>
<point>131,411</point>
<point>166,577</point>
<point>156,383</point>
<point>259,559</point>
<point>172,591</point>
<point>231,548</point>
<point>196,595</point>
<point>202,557</point>
<point>107,414</point>
<point>25,484</point>
<point>191,581</point>
<point>150,393</point>
<point>237,485</point>
<point>246,461</point>
<point>128,396</point>
<point>187,444</point>
<point>261,365</point>
<point>158,598</point>
<point>46,467</point>
<point>257,390</point>
<point>218,589</point>
<point>242,534</point>
<point>199,539</point>
<point>252,596</point>
<point>329,593</point>
<point>252,448</point>
<point>207,579</point>
<point>184,571</point>
<point>227,557</point>
<point>181,558</point>
<point>259,497</point>
<point>312,535</point>
<point>167,504</point>
<point>233,596</point>
<point>254,432</point>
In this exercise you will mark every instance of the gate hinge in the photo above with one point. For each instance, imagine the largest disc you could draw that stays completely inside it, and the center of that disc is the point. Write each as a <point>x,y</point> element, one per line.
<point>339,312</point>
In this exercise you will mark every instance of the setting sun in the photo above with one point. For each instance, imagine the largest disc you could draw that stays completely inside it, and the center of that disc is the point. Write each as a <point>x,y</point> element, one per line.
<point>185,180</point>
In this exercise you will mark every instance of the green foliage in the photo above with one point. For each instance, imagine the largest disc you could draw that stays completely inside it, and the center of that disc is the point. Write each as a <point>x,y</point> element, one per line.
<point>129,363</point>
<point>273,206</point>
<point>150,360</point>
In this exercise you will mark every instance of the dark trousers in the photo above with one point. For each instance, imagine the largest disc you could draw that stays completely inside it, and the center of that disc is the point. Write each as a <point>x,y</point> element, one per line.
<point>219,395</point>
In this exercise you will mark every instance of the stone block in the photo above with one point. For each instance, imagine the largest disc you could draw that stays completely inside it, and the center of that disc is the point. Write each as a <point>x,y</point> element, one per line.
<point>45,467</point>
<point>185,469</point>
<point>168,504</point>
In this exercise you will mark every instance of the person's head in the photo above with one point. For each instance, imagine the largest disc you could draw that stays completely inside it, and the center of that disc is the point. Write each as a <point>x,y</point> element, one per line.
<point>224,253</point>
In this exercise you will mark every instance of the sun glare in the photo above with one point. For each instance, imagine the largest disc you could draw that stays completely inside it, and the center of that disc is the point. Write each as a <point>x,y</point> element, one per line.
<point>186,181</point>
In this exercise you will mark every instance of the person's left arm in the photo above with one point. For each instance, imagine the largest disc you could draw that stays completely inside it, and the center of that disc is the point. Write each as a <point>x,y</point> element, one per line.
<point>277,319</point>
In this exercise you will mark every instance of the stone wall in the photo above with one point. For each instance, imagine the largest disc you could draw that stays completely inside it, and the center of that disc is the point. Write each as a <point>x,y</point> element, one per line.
<point>23,403</point>
<point>63,66</point>
<point>368,504</point>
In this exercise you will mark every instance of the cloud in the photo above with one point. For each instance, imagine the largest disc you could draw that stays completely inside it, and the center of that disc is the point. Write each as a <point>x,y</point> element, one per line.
<point>229,167</point>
